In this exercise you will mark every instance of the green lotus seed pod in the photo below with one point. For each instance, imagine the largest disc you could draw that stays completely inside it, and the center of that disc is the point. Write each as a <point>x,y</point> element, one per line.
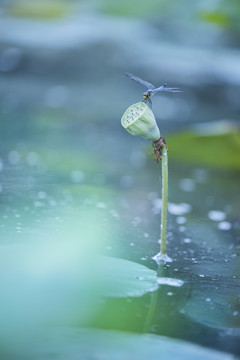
<point>139,120</point>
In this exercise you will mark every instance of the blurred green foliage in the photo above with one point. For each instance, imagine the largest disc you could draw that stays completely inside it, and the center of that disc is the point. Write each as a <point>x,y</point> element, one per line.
<point>215,17</point>
<point>132,8</point>
<point>224,14</point>
<point>39,9</point>
<point>221,151</point>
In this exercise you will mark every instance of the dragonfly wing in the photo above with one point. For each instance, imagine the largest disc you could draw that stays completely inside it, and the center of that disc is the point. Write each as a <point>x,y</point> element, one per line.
<point>146,84</point>
<point>166,89</point>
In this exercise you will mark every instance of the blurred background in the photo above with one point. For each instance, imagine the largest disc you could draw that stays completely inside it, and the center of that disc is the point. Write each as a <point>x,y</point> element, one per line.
<point>68,170</point>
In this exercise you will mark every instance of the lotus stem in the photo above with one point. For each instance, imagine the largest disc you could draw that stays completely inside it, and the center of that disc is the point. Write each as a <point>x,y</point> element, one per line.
<point>160,150</point>
<point>163,247</point>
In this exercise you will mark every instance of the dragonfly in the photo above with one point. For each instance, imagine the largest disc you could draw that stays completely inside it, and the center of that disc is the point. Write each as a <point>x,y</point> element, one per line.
<point>151,89</point>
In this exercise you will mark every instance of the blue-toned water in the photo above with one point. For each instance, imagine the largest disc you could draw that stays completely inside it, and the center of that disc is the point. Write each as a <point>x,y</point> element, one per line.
<point>81,198</point>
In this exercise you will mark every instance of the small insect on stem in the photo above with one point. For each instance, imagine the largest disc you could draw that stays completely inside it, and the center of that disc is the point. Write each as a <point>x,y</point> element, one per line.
<point>157,148</point>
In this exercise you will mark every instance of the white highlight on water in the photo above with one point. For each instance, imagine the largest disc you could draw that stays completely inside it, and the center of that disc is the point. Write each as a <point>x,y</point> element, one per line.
<point>41,195</point>
<point>216,215</point>
<point>101,205</point>
<point>187,241</point>
<point>181,220</point>
<point>224,225</point>
<point>179,209</point>
<point>182,228</point>
<point>162,258</point>
<point>174,209</point>
<point>170,281</point>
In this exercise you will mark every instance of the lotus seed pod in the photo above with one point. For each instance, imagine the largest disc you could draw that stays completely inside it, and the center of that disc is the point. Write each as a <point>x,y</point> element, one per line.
<point>139,120</point>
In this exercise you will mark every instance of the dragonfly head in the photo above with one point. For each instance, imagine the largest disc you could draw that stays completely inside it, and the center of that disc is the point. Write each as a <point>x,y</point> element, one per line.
<point>147,94</point>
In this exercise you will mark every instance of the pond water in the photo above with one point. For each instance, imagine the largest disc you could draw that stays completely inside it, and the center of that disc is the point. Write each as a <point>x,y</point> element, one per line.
<point>62,206</point>
<point>81,198</point>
